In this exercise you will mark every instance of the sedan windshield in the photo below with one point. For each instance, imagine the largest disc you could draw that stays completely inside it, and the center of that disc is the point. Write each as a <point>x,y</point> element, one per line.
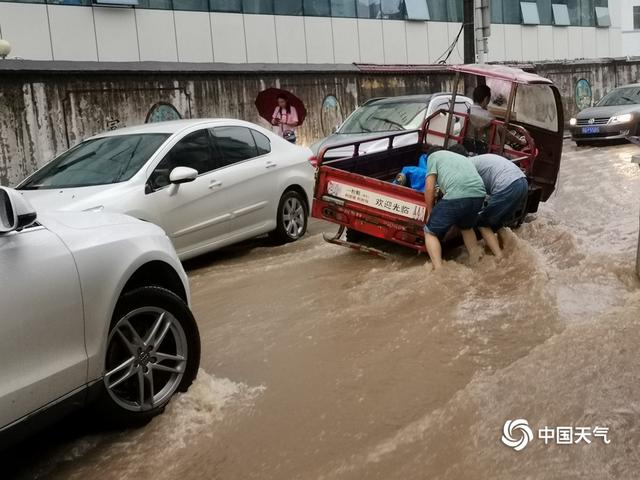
<point>621,96</point>
<point>385,117</point>
<point>100,161</point>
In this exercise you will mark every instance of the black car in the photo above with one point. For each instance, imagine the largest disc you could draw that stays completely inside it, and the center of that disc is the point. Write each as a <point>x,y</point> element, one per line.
<point>615,116</point>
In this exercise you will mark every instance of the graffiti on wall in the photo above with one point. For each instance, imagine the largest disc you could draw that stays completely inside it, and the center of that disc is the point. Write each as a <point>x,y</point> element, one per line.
<point>584,94</point>
<point>330,114</point>
<point>162,112</point>
<point>113,123</point>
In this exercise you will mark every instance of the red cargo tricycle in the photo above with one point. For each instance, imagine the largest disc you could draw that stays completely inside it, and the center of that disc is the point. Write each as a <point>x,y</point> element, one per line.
<point>357,192</point>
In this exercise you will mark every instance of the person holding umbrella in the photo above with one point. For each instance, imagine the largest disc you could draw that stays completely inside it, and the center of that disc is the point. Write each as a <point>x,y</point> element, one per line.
<point>289,113</point>
<point>285,118</point>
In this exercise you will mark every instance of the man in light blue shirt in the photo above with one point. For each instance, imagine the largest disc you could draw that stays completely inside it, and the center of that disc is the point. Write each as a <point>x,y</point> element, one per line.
<point>463,197</point>
<point>507,188</point>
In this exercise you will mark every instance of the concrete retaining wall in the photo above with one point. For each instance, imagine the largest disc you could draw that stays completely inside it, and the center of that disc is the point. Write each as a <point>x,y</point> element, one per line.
<point>602,75</point>
<point>46,107</point>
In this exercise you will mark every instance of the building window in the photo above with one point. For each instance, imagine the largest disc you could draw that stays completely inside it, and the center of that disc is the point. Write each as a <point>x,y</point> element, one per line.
<point>417,10</point>
<point>393,9</point>
<point>257,6</point>
<point>511,11</point>
<point>582,12</point>
<point>549,12</point>
<point>545,12</point>
<point>530,15</point>
<point>560,14</point>
<point>126,3</point>
<point>155,4</point>
<point>288,7</point>
<point>496,11</point>
<point>89,2</point>
<point>438,10</point>
<point>455,10</point>
<point>343,8</point>
<point>602,17</point>
<point>636,17</point>
<point>369,9</point>
<point>586,13</point>
<point>444,11</point>
<point>233,6</point>
<point>317,8</point>
<point>193,5</point>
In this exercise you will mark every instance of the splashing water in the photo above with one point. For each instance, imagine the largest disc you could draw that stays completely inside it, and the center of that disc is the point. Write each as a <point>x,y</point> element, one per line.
<point>188,417</point>
<point>386,370</point>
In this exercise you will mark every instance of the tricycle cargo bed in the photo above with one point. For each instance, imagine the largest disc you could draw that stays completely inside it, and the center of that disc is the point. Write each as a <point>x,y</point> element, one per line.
<point>357,192</point>
<point>382,165</point>
<point>372,206</point>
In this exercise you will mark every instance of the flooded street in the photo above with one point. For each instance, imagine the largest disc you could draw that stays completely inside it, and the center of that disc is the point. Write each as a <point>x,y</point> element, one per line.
<point>323,363</point>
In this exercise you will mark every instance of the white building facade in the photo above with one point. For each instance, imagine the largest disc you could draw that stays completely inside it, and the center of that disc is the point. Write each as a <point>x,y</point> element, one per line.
<point>630,27</point>
<point>311,31</point>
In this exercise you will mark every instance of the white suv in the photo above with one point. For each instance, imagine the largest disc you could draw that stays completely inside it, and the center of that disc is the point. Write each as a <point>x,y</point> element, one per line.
<point>94,308</point>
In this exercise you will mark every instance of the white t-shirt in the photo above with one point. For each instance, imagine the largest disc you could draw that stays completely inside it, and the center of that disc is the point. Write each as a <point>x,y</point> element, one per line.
<point>479,119</point>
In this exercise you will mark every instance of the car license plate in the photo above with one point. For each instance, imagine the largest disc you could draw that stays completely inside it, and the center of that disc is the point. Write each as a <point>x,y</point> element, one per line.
<point>589,130</point>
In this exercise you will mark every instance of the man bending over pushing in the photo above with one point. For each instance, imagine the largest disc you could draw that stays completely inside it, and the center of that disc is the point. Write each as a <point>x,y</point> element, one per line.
<point>464,195</point>
<point>507,187</point>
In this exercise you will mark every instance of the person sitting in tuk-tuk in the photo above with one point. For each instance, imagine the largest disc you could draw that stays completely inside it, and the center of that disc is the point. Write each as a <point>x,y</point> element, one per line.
<point>477,139</point>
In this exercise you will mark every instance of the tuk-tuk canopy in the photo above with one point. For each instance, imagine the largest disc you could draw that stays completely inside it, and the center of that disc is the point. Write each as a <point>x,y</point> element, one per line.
<point>501,72</point>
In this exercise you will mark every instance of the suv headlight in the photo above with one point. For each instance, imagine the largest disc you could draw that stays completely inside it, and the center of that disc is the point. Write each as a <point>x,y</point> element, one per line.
<point>573,121</point>
<point>627,117</point>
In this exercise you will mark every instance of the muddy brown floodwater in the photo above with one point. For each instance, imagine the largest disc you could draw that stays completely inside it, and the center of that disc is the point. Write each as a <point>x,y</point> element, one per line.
<point>323,363</point>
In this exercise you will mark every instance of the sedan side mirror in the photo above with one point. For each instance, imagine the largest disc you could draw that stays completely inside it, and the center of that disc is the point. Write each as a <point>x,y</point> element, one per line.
<point>16,212</point>
<point>183,175</point>
<point>180,175</point>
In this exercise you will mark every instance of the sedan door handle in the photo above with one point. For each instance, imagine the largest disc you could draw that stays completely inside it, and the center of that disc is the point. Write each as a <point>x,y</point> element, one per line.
<point>215,184</point>
<point>270,164</point>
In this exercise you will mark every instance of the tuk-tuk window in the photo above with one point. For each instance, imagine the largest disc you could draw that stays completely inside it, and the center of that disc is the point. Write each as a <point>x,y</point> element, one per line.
<point>536,105</point>
<point>500,91</point>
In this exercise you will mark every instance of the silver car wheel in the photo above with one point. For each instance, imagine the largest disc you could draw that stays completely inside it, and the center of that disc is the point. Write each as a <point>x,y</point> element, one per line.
<point>146,359</point>
<point>293,217</point>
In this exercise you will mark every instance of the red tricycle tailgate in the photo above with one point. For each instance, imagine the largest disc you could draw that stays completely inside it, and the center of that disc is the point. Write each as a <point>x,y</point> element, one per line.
<point>368,205</point>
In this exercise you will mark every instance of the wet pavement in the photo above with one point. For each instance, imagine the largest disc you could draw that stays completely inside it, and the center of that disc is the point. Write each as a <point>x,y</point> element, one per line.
<point>323,363</point>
